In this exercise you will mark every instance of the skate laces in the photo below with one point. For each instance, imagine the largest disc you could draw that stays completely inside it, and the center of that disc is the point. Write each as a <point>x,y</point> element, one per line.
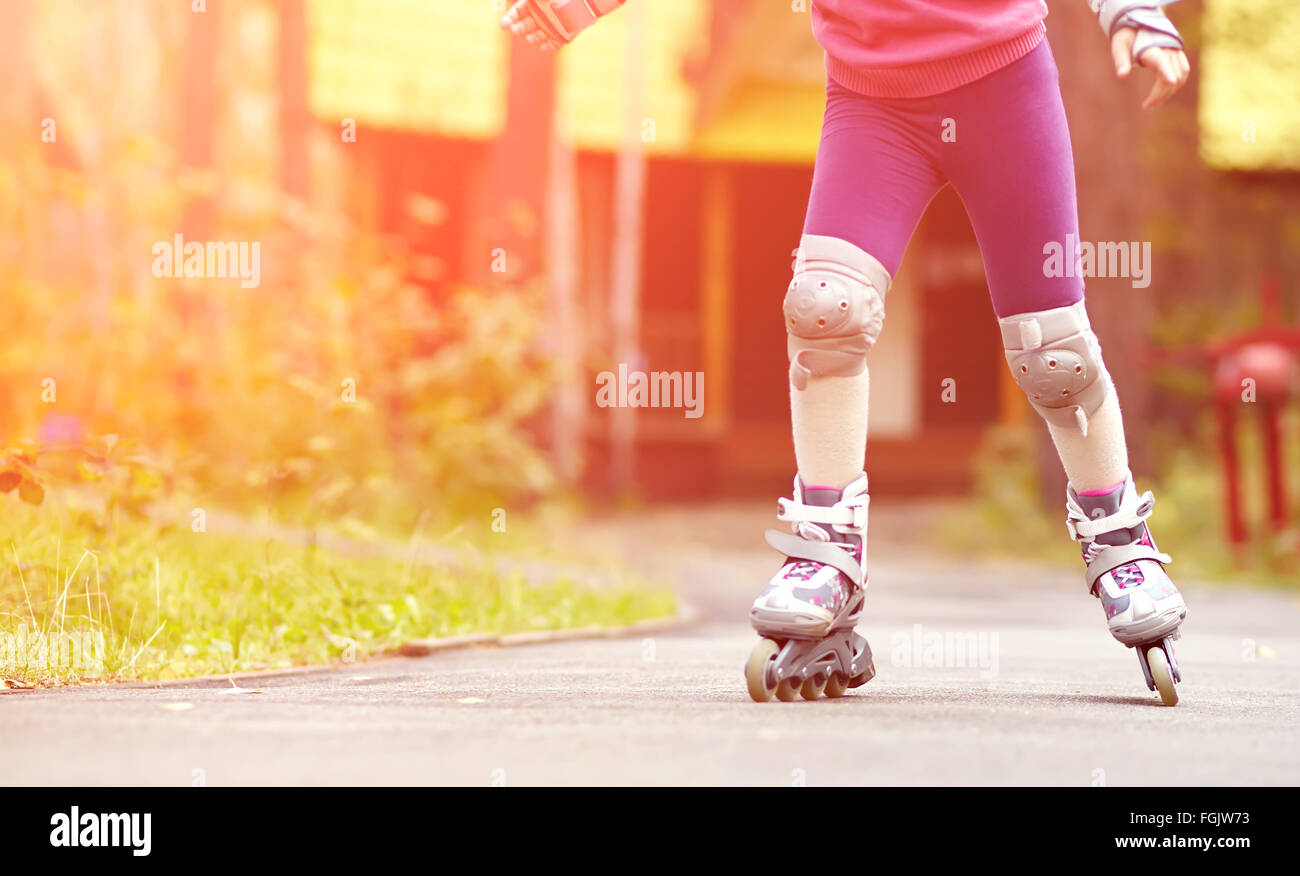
<point>1129,575</point>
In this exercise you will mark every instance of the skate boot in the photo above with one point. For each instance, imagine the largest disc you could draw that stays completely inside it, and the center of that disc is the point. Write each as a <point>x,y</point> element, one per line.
<point>807,612</point>
<point>1126,572</point>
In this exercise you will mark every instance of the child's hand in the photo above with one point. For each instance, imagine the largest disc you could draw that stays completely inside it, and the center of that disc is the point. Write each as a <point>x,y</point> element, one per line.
<point>522,22</point>
<point>549,24</point>
<point>1171,66</point>
<point>1140,31</point>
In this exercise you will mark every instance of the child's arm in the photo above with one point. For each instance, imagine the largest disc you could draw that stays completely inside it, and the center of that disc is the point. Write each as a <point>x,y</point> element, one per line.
<point>549,24</point>
<point>1139,31</point>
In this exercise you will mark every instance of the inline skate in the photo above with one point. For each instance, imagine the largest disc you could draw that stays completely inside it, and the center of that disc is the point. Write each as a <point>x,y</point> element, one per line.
<point>807,612</point>
<point>1126,572</point>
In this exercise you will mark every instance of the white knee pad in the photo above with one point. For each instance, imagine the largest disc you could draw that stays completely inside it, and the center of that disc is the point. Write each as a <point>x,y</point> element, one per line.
<point>1055,358</point>
<point>833,309</point>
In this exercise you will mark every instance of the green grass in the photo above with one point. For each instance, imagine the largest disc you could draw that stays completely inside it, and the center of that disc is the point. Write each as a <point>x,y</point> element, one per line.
<point>134,601</point>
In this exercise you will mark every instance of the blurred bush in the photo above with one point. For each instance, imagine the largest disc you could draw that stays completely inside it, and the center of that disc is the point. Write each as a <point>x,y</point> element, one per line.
<point>336,387</point>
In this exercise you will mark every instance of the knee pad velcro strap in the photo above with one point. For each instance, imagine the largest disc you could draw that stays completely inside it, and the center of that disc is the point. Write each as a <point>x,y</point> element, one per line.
<point>1055,358</point>
<point>834,309</point>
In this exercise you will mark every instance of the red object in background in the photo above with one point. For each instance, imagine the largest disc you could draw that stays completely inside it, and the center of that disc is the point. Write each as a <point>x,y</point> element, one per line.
<point>1256,367</point>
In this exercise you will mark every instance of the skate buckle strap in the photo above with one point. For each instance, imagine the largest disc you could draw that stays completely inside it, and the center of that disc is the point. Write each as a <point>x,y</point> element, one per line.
<point>1113,557</point>
<point>1081,530</point>
<point>850,513</point>
<point>827,553</point>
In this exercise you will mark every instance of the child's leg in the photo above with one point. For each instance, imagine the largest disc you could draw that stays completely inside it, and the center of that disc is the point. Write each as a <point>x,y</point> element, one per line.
<point>827,419</point>
<point>872,180</point>
<point>828,410</point>
<point>1098,460</point>
<point>871,183</point>
<point>1013,168</point>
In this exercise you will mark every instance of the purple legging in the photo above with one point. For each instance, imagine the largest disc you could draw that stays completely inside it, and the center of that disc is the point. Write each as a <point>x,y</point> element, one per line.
<point>882,160</point>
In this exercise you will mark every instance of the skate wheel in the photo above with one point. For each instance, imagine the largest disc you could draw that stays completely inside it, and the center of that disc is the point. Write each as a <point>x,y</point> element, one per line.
<point>837,685</point>
<point>1161,675</point>
<point>758,673</point>
<point>813,687</point>
<point>788,690</point>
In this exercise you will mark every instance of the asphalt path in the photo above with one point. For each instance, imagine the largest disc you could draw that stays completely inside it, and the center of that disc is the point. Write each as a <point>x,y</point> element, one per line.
<point>987,673</point>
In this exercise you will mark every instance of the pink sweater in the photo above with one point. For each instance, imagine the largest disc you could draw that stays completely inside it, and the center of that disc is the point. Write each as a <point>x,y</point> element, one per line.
<point>915,48</point>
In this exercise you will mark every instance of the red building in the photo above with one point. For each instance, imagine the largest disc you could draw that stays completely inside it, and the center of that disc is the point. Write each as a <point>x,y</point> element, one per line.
<point>730,98</point>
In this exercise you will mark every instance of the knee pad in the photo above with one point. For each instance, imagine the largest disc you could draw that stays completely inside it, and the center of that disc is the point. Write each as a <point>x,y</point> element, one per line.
<point>1055,358</point>
<point>833,309</point>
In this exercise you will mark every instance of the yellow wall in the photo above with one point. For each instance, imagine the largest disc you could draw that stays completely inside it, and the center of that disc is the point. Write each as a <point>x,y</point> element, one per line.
<point>592,83</point>
<point>421,65</point>
<point>440,67</point>
<point>765,122</point>
<point>1250,84</point>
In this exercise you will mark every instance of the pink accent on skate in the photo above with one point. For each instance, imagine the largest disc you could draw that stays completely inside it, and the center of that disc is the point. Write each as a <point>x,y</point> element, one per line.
<point>1103,491</point>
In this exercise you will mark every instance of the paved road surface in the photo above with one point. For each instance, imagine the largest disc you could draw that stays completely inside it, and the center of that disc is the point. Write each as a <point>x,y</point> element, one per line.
<point>1045,697</point>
